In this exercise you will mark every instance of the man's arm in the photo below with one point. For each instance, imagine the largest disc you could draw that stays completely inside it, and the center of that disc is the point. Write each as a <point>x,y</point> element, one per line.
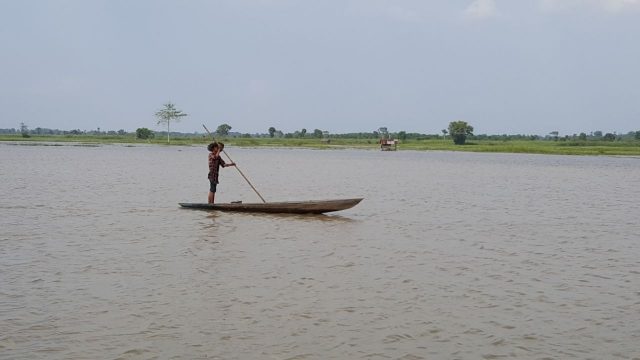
<point>224,164</point>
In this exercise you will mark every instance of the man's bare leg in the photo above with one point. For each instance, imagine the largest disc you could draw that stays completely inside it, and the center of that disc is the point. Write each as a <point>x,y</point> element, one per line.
<point>212,197</point>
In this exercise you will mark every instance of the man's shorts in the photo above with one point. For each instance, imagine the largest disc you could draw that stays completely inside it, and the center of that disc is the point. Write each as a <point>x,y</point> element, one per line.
<point>212,186</point>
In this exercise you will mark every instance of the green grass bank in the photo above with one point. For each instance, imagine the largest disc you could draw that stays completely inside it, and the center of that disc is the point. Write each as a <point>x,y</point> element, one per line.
<point>569,147</point>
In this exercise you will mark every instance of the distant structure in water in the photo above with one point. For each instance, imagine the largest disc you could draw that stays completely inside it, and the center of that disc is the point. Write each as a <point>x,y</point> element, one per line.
<point>387,144</point>
<point>325,137</point>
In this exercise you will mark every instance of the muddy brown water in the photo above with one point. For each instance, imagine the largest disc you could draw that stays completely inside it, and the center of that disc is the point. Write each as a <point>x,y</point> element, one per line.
<point>450,256</point>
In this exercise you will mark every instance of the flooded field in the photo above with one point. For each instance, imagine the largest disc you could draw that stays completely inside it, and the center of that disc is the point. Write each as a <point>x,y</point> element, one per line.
<point>450,256</point>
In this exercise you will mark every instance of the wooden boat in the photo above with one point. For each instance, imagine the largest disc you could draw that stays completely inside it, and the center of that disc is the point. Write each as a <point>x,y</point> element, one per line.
<point>290,207</point>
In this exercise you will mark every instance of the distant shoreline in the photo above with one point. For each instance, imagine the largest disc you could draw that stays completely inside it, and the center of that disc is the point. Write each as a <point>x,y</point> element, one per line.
<point>546,147</point>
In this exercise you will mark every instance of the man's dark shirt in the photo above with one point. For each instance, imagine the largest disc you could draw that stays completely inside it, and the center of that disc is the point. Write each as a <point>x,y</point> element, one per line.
<point>214,167</point>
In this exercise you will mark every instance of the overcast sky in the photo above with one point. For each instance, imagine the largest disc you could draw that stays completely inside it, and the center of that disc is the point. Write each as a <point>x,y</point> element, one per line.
<point>504,66</point>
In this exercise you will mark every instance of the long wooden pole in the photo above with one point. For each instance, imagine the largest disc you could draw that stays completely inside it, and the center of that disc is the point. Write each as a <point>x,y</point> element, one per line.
<point>237,168</point>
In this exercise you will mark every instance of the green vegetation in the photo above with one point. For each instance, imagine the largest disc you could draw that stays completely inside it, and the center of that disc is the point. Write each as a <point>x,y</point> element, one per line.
<point>459,131</point>
<point>24,130</point>
<point>144,133</point>
<point>168,114</point>
<point>223,130</point>
<point>524,145</point>
<point>531,147</point>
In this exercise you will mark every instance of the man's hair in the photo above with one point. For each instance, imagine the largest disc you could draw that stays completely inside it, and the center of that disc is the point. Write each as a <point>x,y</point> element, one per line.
<point>212,146</point>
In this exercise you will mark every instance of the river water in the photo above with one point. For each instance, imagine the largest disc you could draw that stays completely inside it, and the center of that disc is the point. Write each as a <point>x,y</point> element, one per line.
<point>450,256</point>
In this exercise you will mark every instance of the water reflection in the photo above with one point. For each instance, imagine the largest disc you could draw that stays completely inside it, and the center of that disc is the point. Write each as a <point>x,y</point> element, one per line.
<point>243,215</point>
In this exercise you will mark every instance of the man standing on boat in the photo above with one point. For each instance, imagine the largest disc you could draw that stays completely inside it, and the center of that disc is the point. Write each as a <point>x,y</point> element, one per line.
<point>215,161</point>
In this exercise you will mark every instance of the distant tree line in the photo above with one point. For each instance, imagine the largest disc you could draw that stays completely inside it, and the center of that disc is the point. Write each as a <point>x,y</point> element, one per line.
<point>459,132</point>
<point>24,129</point>
<point>224,130</point>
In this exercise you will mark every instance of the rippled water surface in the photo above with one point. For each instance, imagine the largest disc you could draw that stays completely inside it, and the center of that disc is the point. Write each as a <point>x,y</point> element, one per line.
<point>450,256</point>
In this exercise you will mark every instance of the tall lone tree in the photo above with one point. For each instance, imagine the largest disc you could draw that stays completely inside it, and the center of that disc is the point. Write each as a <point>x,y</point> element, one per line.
<point>272,131</point>
<point>459,130</point>
<point>168,114</point>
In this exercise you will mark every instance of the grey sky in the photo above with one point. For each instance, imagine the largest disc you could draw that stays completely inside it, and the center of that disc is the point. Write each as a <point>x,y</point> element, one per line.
<point>525,66</point>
